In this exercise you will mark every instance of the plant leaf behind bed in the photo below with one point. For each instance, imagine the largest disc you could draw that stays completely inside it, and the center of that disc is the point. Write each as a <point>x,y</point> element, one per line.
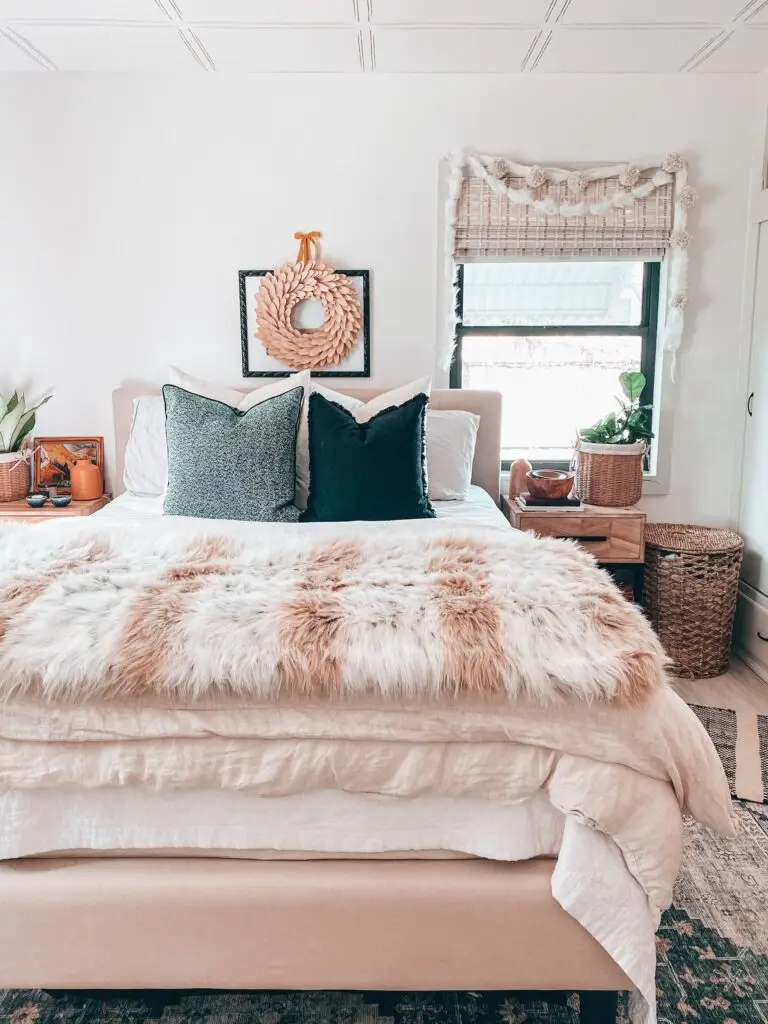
<point>632,384</point>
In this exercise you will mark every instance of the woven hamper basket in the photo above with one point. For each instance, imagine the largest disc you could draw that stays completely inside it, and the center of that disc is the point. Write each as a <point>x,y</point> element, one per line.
<point>689,591</point>
<point>14,477</point>
<point>609,474</point>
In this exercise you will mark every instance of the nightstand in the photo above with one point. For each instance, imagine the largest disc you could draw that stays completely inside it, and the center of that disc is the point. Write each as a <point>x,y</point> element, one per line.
<point>20,512</point>
<point>615,536</point>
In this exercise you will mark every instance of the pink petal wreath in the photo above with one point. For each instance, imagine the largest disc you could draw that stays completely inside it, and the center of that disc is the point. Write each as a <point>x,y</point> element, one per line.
<point>279,294</point>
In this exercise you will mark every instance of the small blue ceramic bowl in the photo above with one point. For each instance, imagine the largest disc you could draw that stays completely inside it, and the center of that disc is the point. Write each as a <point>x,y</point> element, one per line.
<point>36,500</point>
<point>61,500</point>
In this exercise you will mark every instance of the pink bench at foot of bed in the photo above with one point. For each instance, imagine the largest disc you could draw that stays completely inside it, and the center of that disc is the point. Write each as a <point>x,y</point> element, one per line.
<point>240,924</point>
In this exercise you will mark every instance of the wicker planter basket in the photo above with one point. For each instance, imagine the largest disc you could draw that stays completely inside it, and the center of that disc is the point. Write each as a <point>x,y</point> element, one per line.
<point>689,591</point>
<point>14,477</point>
<point>609,474</point>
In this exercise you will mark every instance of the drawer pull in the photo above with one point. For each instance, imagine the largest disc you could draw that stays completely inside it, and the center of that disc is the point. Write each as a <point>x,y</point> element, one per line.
<point>580,539</point>
<point>761,637</point>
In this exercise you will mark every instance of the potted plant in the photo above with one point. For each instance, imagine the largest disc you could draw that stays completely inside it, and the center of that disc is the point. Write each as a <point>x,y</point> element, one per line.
<point>16,422</point>
<point>610,453</point>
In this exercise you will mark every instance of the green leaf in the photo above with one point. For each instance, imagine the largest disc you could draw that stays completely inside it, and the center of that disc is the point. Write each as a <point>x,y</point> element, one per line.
<point>17,422</point>
<point>8,425</point>
<point>632,423</point>
<point>609,424</point>
<point>594,435</point>
<point>632,384</point>
<point>26,424</point>
<point>41,403</point>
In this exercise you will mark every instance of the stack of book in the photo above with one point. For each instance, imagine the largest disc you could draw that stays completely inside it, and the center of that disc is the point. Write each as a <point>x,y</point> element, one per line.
<point>526,502</point>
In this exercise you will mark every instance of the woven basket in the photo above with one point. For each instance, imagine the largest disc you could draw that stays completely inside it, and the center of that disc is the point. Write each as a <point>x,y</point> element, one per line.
<point>14,477</point>
<point>609,474</point>
<point>689,591</point>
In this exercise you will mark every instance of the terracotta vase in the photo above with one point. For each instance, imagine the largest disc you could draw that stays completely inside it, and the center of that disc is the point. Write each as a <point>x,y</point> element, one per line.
<point>517,477</point>
<point>85,478</point>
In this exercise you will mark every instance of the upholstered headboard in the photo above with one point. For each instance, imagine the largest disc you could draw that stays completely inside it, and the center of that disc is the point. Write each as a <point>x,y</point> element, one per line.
<point>485,404</point>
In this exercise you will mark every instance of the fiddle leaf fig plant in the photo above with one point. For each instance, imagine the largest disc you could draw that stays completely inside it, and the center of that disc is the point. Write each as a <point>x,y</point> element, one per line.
<point>628,426</point>
<point>16,421</point>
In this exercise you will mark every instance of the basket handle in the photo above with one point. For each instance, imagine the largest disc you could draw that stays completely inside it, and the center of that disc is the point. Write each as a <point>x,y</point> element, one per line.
<point>24,456</point>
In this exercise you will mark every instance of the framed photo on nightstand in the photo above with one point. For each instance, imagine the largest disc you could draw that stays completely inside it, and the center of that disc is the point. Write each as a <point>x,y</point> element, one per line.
<point>54,456</point>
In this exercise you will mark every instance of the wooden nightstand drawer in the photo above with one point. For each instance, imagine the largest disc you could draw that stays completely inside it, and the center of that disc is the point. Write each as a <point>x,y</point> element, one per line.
<point>610,534</point>
<point>608,539</point>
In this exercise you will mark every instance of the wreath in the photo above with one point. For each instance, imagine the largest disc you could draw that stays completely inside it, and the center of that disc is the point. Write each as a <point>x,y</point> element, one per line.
<point>283,289</point>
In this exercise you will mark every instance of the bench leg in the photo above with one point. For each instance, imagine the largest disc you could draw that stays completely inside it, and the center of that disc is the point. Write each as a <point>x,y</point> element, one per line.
<point>598,1007</point>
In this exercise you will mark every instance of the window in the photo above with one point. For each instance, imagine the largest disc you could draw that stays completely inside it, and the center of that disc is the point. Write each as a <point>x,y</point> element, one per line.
<point>553,338</point>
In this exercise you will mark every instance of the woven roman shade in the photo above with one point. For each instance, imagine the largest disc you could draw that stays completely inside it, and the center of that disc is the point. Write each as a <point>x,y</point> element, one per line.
<point>490,226</point>
<point>499,209</point>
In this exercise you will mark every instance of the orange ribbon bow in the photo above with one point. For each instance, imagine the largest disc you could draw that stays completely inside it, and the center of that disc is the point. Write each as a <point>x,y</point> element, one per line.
<point>308,239</point>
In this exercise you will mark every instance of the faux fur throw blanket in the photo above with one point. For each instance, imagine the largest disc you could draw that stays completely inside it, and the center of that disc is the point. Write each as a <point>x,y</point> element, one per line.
<point>256,613</point>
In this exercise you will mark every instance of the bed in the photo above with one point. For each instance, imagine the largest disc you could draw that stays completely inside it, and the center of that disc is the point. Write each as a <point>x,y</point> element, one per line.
<point>377,878</point>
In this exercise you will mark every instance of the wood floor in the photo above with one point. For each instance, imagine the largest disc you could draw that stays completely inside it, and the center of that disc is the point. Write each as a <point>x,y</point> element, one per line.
<point>739,689</point>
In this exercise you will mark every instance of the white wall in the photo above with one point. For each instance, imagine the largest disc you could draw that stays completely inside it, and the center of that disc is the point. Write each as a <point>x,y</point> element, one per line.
<point>128,205</point>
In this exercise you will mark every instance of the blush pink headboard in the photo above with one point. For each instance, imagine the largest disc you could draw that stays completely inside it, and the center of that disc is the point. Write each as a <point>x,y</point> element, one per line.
<point>485,404</point>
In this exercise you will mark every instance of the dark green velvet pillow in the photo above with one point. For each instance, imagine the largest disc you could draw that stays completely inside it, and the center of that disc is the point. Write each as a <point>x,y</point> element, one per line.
<point>372,470</point>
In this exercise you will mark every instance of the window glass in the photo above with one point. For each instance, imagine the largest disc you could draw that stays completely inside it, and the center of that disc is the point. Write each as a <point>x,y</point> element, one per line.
<point>553,338</point>
<point>552,386</point>
<point>552,294</point>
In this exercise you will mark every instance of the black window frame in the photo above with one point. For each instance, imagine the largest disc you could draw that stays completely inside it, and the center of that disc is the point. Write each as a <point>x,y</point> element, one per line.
<point>647,329</point>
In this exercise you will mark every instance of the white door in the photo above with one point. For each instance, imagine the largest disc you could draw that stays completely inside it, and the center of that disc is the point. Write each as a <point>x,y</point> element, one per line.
<point>753,520</point>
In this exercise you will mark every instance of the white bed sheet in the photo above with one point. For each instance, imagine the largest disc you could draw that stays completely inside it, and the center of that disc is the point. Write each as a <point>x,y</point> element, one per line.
<point>34,822</point>
<point>478,510</point>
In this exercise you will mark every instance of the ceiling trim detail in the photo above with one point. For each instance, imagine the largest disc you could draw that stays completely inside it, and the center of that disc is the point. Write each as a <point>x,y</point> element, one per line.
<point>386,36</point>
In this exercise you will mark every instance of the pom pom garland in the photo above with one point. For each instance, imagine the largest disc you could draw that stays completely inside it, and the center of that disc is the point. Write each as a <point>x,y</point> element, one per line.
<point>576,182</point>
<point>498,169</point>
<point>535,177</point>
<point>629,176</point>
<point>673,163</point>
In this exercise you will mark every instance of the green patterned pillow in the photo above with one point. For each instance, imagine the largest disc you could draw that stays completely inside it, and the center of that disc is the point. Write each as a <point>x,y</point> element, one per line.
<point>227,464</point>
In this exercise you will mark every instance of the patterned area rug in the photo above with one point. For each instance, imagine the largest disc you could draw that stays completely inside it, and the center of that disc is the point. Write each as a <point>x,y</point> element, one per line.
<point>741,740</point>
<point>712,956</point>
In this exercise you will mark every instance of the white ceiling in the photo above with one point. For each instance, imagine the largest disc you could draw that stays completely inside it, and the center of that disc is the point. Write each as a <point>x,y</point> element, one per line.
<point>646,36</point>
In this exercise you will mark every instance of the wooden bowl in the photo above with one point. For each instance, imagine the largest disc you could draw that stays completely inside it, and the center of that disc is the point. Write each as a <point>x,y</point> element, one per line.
<point>549,483</point>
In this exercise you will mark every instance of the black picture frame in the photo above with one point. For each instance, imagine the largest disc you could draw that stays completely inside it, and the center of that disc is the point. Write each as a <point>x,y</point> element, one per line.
<point>364,275</point>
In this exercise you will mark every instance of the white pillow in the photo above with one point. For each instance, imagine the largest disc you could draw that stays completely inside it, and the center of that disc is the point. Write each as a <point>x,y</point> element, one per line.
<point>451,437</point>
<point>146,457</point>
<point>362,411</point>
<point>146,454</point>
<point>238,400</point>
